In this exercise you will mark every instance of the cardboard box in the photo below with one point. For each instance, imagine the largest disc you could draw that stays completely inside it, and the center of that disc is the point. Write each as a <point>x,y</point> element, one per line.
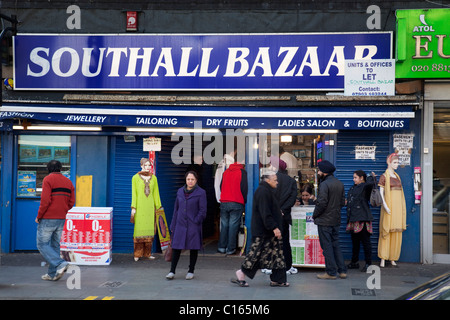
<point>87,236</point>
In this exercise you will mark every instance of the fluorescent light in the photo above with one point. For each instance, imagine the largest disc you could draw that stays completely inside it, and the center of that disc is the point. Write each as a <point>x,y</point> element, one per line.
<point>172,130</point>
<point>286,138</point>
<point>59,128</point>
<point>318,131</point>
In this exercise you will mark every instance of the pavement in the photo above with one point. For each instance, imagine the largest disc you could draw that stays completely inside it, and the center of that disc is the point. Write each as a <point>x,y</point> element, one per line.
<point>125,279</point>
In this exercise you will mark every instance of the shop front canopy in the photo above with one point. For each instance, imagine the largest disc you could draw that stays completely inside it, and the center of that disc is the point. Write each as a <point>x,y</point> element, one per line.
<point>283,118</point>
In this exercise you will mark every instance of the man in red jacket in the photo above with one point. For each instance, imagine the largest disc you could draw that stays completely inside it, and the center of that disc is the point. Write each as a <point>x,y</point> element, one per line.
<point>233,196</point>
<point>58,197</point>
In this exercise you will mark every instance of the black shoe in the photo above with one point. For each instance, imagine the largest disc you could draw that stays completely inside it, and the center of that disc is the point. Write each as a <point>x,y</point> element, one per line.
<point>364,269</point>
<point>353,265</point>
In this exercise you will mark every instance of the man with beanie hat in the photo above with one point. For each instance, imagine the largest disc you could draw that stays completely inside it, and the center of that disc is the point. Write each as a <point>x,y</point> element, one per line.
<point>327,217</point>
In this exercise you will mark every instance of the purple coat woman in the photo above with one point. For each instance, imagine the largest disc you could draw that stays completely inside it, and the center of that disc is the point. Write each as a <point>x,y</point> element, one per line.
<point>188,215</point>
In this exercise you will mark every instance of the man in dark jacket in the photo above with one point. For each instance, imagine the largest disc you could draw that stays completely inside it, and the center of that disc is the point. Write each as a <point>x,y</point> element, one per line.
<point>327,217</point>
<point>57,198</point>
<point>266,250</point>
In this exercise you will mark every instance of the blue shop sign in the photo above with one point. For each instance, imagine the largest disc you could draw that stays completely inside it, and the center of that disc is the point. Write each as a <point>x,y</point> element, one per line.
<point>310,61</point>
<point>388,118</point>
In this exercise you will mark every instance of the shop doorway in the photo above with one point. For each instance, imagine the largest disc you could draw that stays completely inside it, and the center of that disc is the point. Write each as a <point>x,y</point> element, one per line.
<point>441,178</point>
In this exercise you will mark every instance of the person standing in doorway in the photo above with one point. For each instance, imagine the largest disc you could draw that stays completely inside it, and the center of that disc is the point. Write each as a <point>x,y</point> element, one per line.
<point>224,164</point>
<point>188,215</point>
<point>327,217</point>
<point>233,196</point>
<point>57,198</point>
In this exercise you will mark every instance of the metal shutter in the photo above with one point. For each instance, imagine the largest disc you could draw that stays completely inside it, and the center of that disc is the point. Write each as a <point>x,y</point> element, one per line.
<point>346,164</point>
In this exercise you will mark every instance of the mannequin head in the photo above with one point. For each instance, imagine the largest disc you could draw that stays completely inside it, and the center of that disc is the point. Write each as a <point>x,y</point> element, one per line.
<point>392,161</point>
<point>145,164</point>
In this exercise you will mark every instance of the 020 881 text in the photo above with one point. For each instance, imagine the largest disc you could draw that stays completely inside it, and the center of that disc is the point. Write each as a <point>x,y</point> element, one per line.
<point>435,67</point>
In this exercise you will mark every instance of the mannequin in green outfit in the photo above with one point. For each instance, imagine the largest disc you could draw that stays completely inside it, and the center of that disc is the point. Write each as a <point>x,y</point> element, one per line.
<point>144,200</point>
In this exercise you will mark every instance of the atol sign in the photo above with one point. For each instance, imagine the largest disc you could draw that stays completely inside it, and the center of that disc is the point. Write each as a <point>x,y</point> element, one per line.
<point>313,61</point>
<point>423,43</point>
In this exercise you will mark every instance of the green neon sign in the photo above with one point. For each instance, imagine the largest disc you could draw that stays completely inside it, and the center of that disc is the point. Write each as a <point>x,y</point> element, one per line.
<point>423,43</point>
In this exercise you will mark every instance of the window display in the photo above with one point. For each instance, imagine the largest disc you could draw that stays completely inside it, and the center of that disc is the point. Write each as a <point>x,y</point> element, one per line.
<point>34,153</point>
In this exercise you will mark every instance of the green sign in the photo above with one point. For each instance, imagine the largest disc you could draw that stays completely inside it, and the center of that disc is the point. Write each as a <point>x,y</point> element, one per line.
<point>423,43</point>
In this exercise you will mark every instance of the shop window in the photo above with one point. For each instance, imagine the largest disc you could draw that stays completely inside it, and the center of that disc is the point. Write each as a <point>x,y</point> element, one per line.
<point>301,154</point>
<point>441,178</point>
<point>34,154</point>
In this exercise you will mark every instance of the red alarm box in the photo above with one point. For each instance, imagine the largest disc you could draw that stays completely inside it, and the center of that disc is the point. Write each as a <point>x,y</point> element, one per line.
<point>132,21</point>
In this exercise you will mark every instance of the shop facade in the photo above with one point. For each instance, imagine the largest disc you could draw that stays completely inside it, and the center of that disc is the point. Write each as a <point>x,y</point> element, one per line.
<point>101,135</point>
<point>423,57</point>
<point>109,105</point>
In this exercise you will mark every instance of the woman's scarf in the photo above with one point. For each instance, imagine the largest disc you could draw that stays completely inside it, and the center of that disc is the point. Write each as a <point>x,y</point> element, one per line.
<point>146,181</point>
<point>145,173</point>
<point>386,218</point>
<point>186,191</point>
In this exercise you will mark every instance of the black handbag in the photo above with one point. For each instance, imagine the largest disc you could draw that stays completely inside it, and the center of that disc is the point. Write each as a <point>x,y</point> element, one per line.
<point>375,197</point>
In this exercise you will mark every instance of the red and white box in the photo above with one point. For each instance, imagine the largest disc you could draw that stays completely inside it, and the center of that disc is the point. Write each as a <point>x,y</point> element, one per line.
<point>87,236</point>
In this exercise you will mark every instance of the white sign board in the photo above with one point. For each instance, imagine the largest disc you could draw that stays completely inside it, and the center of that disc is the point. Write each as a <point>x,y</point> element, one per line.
<point>365,152</point>
<point>403,144</point>
<point>369,77</point>
<point>152,144</point>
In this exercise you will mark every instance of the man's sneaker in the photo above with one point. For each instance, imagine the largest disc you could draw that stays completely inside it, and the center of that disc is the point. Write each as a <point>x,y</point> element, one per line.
<point>47,277</point>
<point>292,270</point>
<point>60,272</point>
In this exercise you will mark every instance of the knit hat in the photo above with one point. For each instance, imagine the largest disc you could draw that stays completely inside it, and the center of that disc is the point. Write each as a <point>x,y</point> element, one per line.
<point>278,163</point>
<point>326,166</point>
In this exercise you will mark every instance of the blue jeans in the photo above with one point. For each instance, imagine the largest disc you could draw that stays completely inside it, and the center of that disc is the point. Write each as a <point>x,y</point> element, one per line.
<point>230,220</point>
<point>329,241</point>
<point>48,237</point>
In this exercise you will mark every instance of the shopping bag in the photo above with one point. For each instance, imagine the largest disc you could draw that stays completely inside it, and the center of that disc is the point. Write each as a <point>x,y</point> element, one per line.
<point>163,229</point>
<point>168,253</point>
